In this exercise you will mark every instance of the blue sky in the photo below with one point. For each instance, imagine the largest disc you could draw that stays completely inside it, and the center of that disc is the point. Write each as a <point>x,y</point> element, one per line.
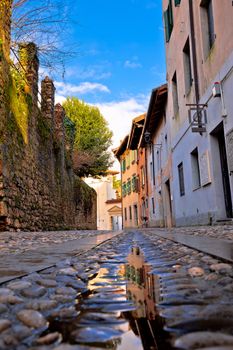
<point>121,58</point>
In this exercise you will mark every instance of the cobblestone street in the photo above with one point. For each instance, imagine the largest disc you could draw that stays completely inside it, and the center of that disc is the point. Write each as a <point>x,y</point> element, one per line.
<point>122,290</point>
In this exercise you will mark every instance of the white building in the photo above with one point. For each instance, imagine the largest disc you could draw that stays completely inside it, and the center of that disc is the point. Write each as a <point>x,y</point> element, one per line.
<point>199,52</point>
<point>109,212</point>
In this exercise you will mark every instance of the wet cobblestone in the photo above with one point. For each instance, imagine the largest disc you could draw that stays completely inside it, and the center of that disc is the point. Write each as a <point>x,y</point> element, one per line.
<point>18,242</point>
<point>219,231</point>
<point>135,291</point>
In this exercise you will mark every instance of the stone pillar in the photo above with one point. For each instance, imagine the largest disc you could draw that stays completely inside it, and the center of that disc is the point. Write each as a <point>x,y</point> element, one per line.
<point>5,27</point>
<point>59,123</point>
<point>60,138</point>
<point>47,101</point>
<point>30,66</point>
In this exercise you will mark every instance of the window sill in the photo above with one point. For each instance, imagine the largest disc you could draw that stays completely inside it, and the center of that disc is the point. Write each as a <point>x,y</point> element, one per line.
<point>210,52</point>
<point>196,188</point>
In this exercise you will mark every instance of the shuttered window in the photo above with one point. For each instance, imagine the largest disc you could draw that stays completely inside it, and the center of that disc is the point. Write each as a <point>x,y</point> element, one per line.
<point>181,179</point>
<point>177,2</point>
<point>123,165</point>
<point>168,21</point>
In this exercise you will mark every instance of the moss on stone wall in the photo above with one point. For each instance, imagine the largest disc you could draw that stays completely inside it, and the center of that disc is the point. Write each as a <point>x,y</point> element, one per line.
<point>20,103</point>
<point>84,195</point>
<point>43,127</point>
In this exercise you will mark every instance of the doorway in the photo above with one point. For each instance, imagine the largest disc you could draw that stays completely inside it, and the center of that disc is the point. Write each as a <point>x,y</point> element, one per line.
<point>218,133</point>
<point>168,205</point>
<point>135,215</point>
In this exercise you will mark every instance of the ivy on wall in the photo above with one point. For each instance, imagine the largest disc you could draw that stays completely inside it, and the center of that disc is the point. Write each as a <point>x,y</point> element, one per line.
<point>20,102</point>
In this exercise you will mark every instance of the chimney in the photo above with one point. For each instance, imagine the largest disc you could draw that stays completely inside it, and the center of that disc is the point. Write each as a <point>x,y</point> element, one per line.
<point>30,65</point>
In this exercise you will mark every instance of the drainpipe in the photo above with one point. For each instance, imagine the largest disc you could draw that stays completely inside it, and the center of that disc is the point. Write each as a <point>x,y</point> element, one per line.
<point>194,51</point>
<point>194,58</point>
<point>153,163</point>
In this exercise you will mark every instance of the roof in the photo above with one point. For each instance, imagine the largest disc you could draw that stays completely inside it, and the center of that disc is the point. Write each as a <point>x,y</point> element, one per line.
<point>113,201</point>
<point>155,110</point>
<point>112,172</point>
<point>122,148</point>
<point>136,131</point>
<point>115,210</point>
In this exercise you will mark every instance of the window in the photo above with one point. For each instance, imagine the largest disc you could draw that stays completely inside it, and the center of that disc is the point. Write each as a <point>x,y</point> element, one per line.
<point>166,145</point>
<point>123,165</point>
<point>168,21</point>
<point>136,214</point>
<point>153,205</point>
<point>175,95</point>
<point>133,156</point>
<point>158,160</point>
<point>134,183</point>
<point>187,67</point>
<point>208,24</point>
<point>138,184</point>
<point>177,2</point>
<point>181,179</point>
<point>128,161</point>
<point>130,212</point>
<point>124,189</point>
<point>143,177</point>
<point>151,171</point>
<point>195,169</point>
<point>129,186</point>
<point>125,214</point>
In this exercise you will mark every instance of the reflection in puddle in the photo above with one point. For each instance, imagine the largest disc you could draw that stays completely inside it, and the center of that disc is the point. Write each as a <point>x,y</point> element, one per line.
<point>142,289</point>
<point>119,311</point>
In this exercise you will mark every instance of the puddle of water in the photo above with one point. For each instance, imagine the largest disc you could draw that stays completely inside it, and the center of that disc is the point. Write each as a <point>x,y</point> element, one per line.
<point>101,321</point>
<point>143,289</point>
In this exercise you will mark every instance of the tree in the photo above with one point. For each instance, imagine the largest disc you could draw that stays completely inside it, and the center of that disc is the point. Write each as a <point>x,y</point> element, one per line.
<point>46,23</point>
<point>92,138</point>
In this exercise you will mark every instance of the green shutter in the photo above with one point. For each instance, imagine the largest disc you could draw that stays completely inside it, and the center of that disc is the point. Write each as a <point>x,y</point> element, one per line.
<point>168,21</point>
<point>177,2</point>
<point>166,24</point>
<point>129,186</point>
<point>123,165</point>
<point>170,16</point>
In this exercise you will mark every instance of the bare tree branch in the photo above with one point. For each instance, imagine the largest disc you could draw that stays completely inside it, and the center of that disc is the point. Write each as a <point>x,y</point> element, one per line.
<point>46,23</point>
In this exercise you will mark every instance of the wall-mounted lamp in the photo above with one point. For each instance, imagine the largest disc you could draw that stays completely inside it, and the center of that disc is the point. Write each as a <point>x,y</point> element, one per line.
<point>147,137</point>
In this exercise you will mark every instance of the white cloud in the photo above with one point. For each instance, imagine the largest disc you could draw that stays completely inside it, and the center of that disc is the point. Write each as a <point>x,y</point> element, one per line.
<point>119,115</point>
<point>98,71</point>
<point>132,64</point>
<point>66,89</point>
<point>59,99</point>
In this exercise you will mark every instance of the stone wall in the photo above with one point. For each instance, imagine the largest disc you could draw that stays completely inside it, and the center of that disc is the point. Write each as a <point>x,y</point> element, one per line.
<point>38,188</point>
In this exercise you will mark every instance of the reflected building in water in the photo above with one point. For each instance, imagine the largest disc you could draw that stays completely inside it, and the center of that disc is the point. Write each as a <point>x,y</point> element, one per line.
<point>143,289</point>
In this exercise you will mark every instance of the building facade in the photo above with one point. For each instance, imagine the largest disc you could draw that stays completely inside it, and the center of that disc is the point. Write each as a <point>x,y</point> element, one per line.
<point>133,176</point>
<point>155,140</point>
<point>109,211</point>
<point>199,55</point>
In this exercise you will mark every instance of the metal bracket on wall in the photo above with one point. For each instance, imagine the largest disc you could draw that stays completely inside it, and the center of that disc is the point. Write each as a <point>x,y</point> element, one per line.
<point>197,117</point>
